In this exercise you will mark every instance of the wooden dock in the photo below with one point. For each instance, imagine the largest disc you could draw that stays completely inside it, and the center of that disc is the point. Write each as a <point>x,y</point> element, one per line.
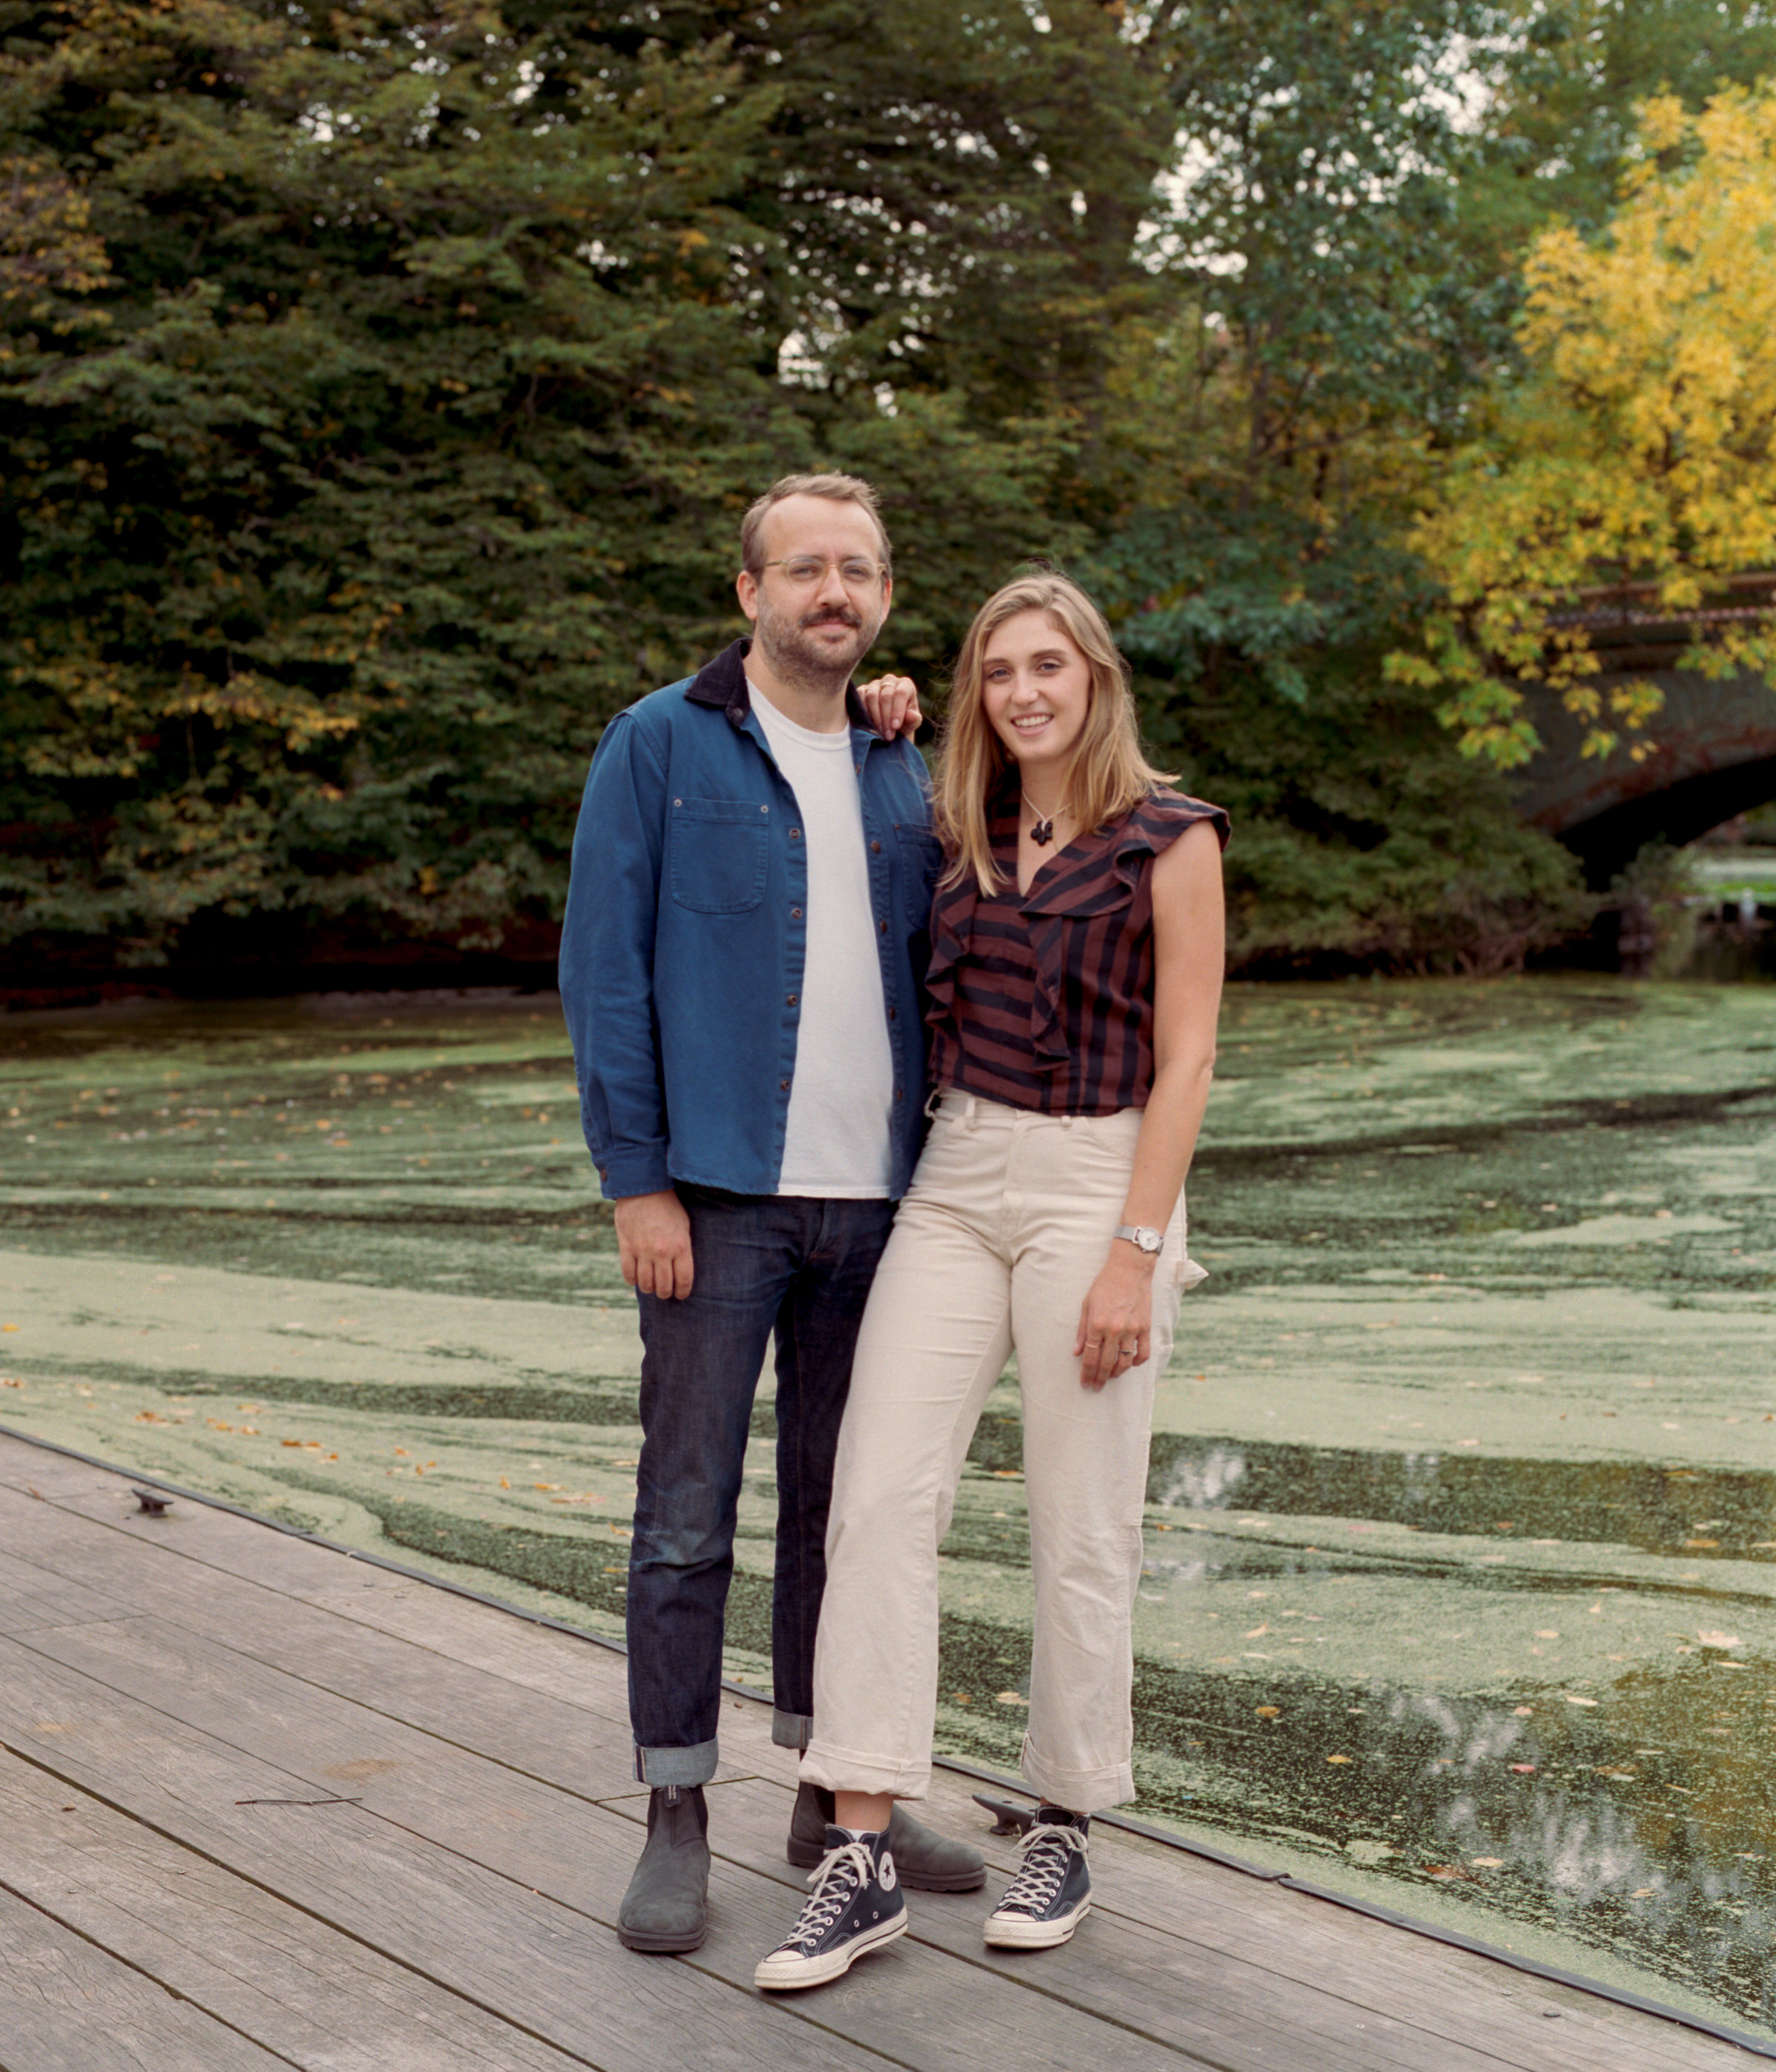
<point>264,1805</point>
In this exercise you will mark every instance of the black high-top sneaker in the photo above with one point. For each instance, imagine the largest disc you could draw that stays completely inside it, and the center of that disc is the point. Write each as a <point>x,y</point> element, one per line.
<point>926,1862</point>
<point>855,1906</point>
<point>1051,1894</point>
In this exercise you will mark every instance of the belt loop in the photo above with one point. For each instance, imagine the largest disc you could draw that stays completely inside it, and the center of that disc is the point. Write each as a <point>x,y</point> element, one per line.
<point>1067,1122</point>
<point>933,1101</point>
<point>969,1113</point>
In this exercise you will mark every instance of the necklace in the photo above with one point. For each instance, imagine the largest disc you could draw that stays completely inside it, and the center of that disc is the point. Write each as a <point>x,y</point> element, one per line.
<point>1042,830</point>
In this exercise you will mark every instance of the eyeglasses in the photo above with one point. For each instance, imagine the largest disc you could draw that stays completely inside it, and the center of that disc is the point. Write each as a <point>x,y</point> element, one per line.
<point>805,571</point>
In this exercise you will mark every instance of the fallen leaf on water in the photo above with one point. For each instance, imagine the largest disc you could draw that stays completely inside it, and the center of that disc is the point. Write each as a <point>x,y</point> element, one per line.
<point>1701,1543</point>
<point>1445,1871</point>
<point>1487,1863</point>
<point>1524,1769</point>
<point>1718,1639</point>
<point>505,1482</point>
<point>1340,1758</point>
<point>1522,1712</point>
<point>1546,1633</point>
<point>1255,1632</point>
<point>1269,1712</point>
<point>1573,1698</point>
<point>545,1486</point>
<point>1012,1698</point>
<point>1643,1892</point>
<point>1614,1769</point>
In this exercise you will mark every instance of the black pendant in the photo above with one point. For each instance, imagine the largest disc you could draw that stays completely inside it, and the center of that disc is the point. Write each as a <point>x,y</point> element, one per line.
<point>1042,832</point>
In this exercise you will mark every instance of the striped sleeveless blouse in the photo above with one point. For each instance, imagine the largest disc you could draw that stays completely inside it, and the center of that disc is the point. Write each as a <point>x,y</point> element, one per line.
<point>1044,1000</point>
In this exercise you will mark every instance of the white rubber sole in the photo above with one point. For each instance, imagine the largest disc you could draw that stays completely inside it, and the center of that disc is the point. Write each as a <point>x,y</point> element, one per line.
<point>1018,1931</point>
<point>778,1973</point>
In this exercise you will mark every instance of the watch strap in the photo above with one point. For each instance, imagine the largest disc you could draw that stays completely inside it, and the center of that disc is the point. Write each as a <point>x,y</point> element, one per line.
<point>1141,1235</point>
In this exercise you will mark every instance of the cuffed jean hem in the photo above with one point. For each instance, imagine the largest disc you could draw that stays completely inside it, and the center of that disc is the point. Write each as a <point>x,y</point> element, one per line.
<point>678,1765</point>
<point>1079,1790</point>
<point>845,1770</point>
<point>790,1729</point>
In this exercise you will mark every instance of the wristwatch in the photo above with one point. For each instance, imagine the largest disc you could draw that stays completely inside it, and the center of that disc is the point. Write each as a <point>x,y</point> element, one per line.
<point>1139,1234</point>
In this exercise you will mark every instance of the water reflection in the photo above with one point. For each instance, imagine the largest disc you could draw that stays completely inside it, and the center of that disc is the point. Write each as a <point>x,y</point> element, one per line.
<point>1350,1644</point>
<point>1700,1512</point>
<point>1618,1831</point>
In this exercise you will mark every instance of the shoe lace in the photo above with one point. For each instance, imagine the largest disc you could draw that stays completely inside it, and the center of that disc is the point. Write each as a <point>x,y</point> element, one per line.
<point>1048,1849</point>
<point>840,1873</point>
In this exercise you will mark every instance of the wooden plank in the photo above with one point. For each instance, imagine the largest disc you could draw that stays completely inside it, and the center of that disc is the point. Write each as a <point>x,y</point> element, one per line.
<point>583,1747</point>
<point>1265,1934</point>
<point>1168,1989</point>
<point>576,1853</point>
<point>411,1607</point>
<point>1294,1936</point>
<point>33,1595</point>
<point>67,2007</point>
<point>271,1974</point>
<point>525,1957</point>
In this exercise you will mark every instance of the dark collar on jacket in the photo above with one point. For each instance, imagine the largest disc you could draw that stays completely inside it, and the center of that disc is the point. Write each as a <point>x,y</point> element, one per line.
<point>722,683</point>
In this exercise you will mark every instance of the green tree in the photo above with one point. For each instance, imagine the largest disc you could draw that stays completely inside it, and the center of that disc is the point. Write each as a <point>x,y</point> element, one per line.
<point>379,397</point>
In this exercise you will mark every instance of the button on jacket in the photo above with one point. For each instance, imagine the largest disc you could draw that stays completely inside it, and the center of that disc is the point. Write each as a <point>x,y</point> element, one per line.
<point>686,935</point>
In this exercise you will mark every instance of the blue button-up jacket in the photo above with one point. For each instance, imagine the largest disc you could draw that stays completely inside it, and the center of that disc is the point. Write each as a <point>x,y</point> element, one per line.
<point>686,935</point>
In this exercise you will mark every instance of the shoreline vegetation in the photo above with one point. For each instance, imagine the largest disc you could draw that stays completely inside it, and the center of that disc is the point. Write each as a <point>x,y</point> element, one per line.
<point>380,391</point>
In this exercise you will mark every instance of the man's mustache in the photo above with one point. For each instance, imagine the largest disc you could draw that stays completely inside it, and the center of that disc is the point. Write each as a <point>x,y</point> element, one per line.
<point>831,616</point>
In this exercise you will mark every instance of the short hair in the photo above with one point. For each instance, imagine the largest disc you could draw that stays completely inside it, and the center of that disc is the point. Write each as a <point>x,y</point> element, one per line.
<point>836,488</point>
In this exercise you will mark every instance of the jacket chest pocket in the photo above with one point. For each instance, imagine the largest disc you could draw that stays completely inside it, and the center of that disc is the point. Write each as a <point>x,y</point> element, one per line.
<point>921,859</point>
<point>717,852</point>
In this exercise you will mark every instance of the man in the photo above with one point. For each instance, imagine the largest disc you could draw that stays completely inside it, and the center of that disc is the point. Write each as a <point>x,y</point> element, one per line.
<point>741,964</point>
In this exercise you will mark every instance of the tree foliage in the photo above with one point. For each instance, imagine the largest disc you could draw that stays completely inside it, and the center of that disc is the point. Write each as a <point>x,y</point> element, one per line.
<point>1629,466</point>
<point>380,391</point>
<point>381,394</point>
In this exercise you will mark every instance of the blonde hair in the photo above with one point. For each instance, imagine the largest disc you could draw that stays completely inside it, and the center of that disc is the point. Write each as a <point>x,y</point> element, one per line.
<point>835,488</point>
<point>1108,775</point>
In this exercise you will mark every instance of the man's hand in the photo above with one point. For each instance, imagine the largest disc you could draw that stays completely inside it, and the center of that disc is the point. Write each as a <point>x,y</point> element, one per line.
<point>654,1244</point>
<point>892,703</point>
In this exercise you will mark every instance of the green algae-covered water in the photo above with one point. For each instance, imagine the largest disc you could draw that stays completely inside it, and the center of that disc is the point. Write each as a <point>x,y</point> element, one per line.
<point>1460,1579</point>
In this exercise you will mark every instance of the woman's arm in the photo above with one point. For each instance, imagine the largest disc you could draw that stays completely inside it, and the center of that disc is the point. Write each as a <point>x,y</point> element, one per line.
<point>1189,935</point>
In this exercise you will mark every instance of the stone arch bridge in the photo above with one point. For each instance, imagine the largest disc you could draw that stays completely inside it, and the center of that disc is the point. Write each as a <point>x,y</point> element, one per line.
<point>1711,749</point>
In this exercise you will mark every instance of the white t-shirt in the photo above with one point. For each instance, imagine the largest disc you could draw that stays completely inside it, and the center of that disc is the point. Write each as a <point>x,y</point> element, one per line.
<point>837,1141</point>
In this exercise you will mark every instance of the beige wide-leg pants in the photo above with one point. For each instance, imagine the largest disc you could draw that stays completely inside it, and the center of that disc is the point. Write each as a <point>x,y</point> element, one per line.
<point>1007,1224</point>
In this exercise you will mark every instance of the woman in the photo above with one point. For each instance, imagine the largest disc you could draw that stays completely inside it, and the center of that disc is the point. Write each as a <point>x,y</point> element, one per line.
<point>1076,977</point>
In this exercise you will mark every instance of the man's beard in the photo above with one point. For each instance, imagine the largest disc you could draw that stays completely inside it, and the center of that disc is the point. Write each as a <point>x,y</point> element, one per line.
<point>811,665</point>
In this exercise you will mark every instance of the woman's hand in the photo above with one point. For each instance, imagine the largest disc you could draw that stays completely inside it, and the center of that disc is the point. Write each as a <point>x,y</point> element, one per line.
<point>1116,1316</point>
<point>892,703</point>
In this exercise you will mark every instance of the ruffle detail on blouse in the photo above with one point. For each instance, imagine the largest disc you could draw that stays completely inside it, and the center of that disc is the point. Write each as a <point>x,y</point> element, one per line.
<point>1103,876</point>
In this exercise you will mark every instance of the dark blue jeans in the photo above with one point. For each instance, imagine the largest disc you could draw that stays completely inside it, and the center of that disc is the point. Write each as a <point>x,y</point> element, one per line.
<point>763,1263</point>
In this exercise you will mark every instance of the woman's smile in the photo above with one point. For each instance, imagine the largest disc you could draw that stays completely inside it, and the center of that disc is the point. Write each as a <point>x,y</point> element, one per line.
<point>1036,687</point>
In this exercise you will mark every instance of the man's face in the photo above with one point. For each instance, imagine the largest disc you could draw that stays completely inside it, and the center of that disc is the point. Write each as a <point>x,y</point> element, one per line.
<point>820,625</point>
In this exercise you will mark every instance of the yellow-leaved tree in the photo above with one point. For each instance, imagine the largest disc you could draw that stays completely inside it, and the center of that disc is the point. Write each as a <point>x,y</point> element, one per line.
<point>1626,470</point>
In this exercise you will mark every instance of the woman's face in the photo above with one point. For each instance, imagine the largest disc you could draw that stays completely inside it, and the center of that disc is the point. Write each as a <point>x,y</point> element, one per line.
<point>1037,689</point>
